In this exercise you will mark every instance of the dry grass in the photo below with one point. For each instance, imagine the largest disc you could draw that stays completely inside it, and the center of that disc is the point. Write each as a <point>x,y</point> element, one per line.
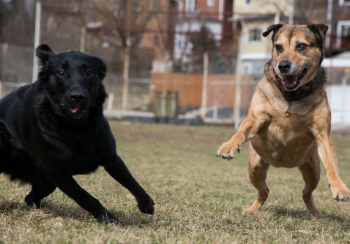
<point>199,198</point>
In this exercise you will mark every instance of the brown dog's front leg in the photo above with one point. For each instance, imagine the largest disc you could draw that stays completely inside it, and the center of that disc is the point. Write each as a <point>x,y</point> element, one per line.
<point>326,152</point>
<point>246,132</point>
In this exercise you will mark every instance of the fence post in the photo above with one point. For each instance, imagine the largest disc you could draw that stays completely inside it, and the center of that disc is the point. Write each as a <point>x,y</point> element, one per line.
<point>36,39</point>
<point>110,102</point>
<point>215,110</point>
<point>3,69</point>
<point>165,85</point>
<point>205,85</point>
<point>125,80</point>
<point>237,111</point>
<point>343,106</point>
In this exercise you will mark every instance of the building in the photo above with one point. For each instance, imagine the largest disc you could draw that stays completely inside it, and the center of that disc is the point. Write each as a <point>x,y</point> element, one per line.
<point>338,21</point>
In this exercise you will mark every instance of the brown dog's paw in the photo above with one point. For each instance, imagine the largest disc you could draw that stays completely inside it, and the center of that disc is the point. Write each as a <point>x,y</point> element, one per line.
<point>227,150</point>
<point>339,191</point>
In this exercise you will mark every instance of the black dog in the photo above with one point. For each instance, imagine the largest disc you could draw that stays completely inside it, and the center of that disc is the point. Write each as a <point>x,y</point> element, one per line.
<point>54,128</point>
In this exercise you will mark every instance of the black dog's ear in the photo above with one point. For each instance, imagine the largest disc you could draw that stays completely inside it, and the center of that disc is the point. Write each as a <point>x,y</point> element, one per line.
<point>44,53</point>
<point>101,68</point>
<point>273,28</point>
<point>319,30</point>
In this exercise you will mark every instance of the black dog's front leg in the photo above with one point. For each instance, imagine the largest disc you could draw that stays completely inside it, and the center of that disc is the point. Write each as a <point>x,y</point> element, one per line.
<point>118,170</point>
<point>69,186</point>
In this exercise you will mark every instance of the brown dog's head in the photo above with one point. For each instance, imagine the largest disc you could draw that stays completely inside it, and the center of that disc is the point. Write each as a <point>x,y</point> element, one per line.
<point>297,52</point>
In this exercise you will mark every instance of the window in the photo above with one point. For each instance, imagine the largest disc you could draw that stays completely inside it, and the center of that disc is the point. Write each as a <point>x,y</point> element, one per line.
<point>344,2</point>
<point>247,68</point>
<point>156,5</point>
<point>246,2</point>
<point>346,30</point>
<point>210,3</point>
<point>254,35</point>
<point>190,6</point>
<point>156,41</point>
<point>343,30</point>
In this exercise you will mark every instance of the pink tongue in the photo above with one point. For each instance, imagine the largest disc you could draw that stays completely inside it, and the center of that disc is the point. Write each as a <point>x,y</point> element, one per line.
<point>74,110</point>
<point>290,79</point>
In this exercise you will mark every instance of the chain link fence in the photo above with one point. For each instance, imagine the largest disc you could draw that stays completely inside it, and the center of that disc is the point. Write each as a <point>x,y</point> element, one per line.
<point>16,70</point>
<point>157,63</point>
<point>16,67</point>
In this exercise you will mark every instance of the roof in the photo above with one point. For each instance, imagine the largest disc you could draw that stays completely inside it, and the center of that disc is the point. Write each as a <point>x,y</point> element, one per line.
<point>343,55</point>
<point>248,17</point>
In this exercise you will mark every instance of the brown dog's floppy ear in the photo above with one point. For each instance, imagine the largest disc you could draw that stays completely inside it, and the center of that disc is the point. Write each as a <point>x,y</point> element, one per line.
<point>44,53</point>
<point>273,28</point>
<point>320,30</point>
<point>101,68</point>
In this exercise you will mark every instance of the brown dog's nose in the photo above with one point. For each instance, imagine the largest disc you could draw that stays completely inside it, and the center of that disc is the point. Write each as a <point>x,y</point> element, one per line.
<point>284,66</point>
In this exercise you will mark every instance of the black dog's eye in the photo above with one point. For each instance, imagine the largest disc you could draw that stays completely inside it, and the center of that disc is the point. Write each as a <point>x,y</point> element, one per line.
<point>279,47</point>
<point>89,74</point>
<point>301,46</point>
<point>61,73</point>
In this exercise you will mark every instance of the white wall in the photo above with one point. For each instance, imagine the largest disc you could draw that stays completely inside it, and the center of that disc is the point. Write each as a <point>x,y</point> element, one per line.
<point>339,101</point>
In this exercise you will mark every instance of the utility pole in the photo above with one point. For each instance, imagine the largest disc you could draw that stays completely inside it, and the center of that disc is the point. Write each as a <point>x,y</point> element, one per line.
<point>329,22</point>
<point>82,30</point>
<point>36,39</point>
<point>205,85</point>
<point>82,38</point>
<point>291,12</point>
<point>165,84</point>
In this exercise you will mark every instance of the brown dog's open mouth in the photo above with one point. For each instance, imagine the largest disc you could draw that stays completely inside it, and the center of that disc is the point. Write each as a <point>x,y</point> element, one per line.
<point>292,82</point>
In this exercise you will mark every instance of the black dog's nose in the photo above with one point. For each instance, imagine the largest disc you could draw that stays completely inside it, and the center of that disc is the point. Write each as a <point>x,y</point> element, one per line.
<point>77,97</point>
<point>284,66</point>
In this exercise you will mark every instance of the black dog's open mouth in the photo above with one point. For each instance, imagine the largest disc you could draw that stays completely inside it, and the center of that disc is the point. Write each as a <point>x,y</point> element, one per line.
<point>292,82</point>
<point>77,109</point>
<point>73,110</point>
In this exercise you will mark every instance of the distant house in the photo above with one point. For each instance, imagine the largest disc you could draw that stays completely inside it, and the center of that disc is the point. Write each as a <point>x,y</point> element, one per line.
<point>194,14</point>
<point>338,20</point>
<point>254,17</point>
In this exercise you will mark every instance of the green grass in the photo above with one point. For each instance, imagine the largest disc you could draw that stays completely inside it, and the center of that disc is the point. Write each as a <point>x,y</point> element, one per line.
<point>199,198</point>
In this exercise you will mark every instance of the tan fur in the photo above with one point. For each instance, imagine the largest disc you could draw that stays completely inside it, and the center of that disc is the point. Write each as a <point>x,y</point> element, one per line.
<point>290,133</point>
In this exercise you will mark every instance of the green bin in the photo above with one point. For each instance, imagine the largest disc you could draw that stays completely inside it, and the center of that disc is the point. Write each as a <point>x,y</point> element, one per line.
<point>171,104</point>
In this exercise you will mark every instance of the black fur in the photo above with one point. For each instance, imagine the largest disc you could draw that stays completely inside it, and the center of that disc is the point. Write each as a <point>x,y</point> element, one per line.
<point>54,128</point>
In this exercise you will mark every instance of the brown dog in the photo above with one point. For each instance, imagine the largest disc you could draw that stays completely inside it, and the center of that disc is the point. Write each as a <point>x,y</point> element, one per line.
<point>288,121</point>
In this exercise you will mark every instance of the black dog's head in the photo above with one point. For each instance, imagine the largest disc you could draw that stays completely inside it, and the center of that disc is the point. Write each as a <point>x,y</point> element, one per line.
<point>71,81</point>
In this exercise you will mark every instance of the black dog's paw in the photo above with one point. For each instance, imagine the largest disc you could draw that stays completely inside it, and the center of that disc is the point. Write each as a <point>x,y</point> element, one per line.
<point>29,201</point>
<point>146,208</point>
<point>108,218</point>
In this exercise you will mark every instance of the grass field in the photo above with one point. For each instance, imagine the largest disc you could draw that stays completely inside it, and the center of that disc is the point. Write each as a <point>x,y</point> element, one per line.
<point>199,198</point>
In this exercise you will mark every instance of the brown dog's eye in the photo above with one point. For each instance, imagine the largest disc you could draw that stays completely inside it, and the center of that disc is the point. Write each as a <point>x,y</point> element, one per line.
<point>61,73</point>
<point>301,46</point>
<point>89,74</point>
<point>279,48</point>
